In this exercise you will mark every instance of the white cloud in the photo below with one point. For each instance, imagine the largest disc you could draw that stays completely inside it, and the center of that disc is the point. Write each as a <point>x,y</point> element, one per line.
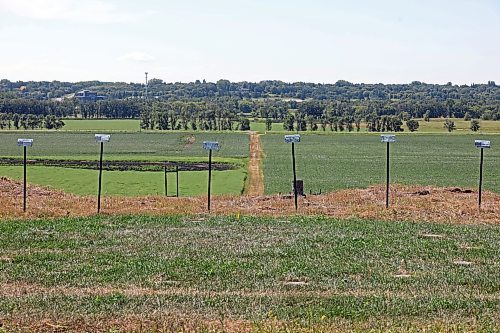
<point>136,57</point>
<point>90,11</point>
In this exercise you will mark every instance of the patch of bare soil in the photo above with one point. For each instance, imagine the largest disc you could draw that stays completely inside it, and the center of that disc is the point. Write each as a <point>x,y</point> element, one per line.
<point>255,184</point>
<point>440,205</point>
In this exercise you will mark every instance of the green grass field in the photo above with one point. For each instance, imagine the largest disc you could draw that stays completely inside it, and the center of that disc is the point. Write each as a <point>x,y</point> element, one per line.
<point>332,162</point>
<point>129,146</point>
<point>130,183</point>
<point>305,271</point>
<point>123,125</point>
<point>133,125</point>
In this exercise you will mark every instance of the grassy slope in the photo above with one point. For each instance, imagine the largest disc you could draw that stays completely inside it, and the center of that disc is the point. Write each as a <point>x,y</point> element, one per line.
<point>330,162</point>
<point>238,269</point>
<point>129,183</point>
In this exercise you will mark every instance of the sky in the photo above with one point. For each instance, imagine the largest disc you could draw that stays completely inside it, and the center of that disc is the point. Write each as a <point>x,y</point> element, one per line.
<point>321,41</point>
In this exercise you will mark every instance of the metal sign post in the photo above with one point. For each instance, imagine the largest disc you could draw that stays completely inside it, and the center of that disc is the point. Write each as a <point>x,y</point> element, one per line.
<point>165,178</point>
<point>388,138</point>
<point>177,179</point>
<point>293,139</point>
<point>25,143</point>
<point>100,138</point>
<point>210,145</point>
<point>481,144</point>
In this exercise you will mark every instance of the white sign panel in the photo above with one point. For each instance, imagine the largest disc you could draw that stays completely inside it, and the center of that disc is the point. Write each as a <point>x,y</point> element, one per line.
<point>25,142</point>
<point>388,138</point>
<point>102,137</point>
<point>292,138</point>
<point>482,144</point>
<point>211,145</point>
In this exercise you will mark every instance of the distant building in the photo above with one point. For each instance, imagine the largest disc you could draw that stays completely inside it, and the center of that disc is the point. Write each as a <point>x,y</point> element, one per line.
<point>88,96</point>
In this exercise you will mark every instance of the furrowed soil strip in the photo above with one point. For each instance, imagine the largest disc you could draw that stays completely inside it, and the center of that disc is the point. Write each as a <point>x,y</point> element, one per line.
<point>440,206</point>
<point>120,165</point>
<point>256,176</point>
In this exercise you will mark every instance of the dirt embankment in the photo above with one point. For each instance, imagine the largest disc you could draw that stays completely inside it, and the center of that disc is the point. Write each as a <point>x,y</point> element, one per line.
<point>415,203</point>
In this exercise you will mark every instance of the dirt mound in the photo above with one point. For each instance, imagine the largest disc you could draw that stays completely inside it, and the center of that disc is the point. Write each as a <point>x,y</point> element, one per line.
<point>439,205</point>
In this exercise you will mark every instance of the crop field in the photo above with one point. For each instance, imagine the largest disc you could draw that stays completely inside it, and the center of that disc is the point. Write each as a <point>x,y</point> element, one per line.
<point>135,146</point>
<point>104,272</point>
<point>113,125</point>
<point>332,162</point>
<point>81,146</point>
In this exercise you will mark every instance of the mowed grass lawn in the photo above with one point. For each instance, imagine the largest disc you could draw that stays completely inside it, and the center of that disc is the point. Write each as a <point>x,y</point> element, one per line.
<point>302,271</point>
<point>332,162</point>
<point>130,183</point>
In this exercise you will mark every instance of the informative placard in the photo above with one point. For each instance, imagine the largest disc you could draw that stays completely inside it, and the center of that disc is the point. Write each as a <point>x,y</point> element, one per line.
<point>25,142</point>
<point>388,138</point>
<point>211,145</point>
<point>102,138</point>
<point>292,138</point>
<point>482,144</point>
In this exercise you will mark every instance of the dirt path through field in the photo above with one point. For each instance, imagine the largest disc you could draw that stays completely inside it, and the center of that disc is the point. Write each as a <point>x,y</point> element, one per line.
<point>256,176</point>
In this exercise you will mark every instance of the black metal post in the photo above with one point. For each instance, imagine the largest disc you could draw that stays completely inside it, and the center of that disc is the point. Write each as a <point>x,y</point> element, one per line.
<point>480,178</point>
<point>100,181</point>
<point>166,179</point>
<point>294,175</point>
<point>25,190</point>
<point>387,179</point>
<point>209,175</point>
<point>177,179</point>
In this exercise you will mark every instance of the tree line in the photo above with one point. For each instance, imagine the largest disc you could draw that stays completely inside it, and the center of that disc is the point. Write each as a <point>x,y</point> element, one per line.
<point>29,121</point>
<point>341,90</point>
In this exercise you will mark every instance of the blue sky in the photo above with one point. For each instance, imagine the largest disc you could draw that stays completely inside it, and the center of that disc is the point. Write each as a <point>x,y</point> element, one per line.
<point>320,41</point>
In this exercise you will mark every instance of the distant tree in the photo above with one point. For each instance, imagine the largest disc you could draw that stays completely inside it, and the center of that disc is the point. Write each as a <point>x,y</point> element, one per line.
<point>288,122</point>
<point>405,116</point>
<point>449,125</point>
<point>474,125</point>
<point>244,124</point>
<point>357,123</point>
<point>269,124</point>
<point>15,120</point>
<point>427,115</point>
<point>412,125</point>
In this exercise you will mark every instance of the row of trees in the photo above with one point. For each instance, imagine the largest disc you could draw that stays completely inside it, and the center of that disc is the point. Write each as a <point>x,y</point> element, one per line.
<point>276,109</point>
<point>29,121</point>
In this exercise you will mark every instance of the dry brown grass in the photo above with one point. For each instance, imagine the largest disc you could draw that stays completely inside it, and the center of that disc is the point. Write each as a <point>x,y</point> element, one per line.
<point>177,322</point>
<point>440,205</point>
